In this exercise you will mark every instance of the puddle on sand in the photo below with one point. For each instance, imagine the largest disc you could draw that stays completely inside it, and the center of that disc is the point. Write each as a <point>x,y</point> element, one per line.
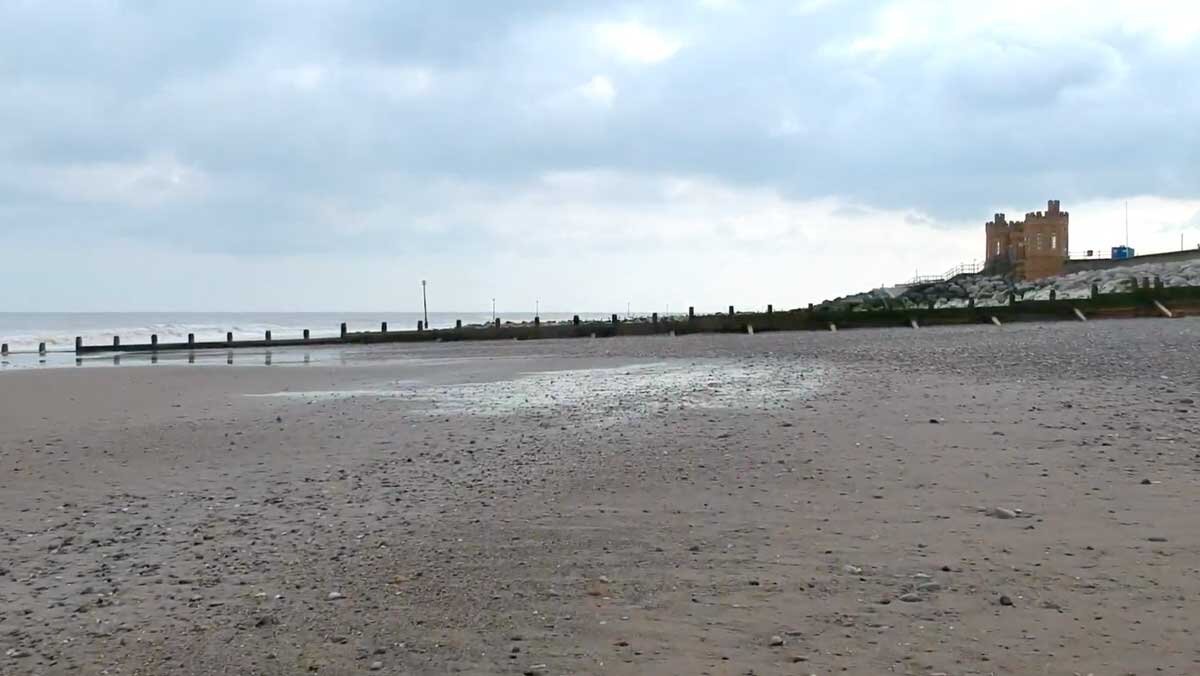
<point>613,394</point>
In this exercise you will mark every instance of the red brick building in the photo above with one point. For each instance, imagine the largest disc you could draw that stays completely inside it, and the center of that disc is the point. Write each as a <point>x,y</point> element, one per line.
<point>1029,249</point>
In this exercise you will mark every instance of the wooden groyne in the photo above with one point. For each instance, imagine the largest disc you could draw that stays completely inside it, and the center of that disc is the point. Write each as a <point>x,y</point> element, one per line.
<point>1144,300</point>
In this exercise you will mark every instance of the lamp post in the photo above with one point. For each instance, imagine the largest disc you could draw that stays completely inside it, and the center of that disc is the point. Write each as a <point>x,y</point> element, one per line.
<point>425,303</point>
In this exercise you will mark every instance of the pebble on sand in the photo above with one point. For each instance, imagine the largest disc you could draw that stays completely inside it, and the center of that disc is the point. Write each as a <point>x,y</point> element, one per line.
<point>1002,513</point>
<point>334,596</point>
<point>776,641</point>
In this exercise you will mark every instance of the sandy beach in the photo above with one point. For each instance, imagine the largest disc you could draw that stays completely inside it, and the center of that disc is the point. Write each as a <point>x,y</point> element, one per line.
<point>976,500</point>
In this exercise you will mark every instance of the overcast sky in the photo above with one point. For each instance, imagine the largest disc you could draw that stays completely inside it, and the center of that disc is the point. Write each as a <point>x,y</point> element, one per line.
<point>296,155</point>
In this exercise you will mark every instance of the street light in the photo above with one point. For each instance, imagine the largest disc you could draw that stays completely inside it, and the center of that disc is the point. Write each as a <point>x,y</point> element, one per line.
<point>425,303</point>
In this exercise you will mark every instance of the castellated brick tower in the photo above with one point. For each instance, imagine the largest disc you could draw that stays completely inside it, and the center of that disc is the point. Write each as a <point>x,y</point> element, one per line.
<point>1029,249</point>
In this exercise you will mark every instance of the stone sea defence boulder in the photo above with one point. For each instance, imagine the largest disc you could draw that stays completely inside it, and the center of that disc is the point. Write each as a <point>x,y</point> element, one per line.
<point>989,290</point>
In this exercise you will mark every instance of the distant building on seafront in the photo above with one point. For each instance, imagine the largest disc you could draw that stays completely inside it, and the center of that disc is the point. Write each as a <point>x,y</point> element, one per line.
<point>1029,249</point>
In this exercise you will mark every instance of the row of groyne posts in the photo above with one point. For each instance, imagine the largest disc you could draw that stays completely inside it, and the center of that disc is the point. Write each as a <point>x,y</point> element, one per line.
<point>1149,298</point>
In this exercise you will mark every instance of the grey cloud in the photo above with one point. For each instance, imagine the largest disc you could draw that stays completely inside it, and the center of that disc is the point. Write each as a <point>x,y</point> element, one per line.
<point>754,98</point>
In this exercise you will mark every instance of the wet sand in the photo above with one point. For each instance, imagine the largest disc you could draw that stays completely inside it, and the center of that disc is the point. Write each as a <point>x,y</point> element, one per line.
<point>955,501</point>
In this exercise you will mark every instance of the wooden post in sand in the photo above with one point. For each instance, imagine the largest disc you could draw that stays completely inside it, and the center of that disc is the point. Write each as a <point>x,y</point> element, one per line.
<point>575,320</point>
<point>654,320</point>
<point>1053,294</point>
<point>229,337</point>
<point>268,336</point>
<point>497,322</point>
<point>78,344</point>
<point>537,322</point>
<point>306,335</point>
<point>1095,289</point>
<point>731,313</point>
<point>343,330</point>
<point>154,340</point>
<point>191,340</point>
<point>615,321</point>
<point>691,313</point>
<point>458,325</point>
<point>383,327</point>
<point>3,349</point>
<point>420,325</point>
<point>116,342</point>
<point>42,349</point>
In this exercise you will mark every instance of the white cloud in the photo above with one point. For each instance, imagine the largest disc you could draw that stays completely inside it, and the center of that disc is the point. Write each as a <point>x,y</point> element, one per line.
<point>923,25</point>
<point>155,181</point>
<point>599,89</point>
<point>304,78</point>
<point>635,42</point>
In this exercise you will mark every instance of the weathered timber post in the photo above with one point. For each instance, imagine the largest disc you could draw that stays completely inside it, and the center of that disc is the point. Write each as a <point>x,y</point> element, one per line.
<point>42,349</point>
<point>654,319</point>
<point>497,322</point>
<point>306,334</point>
<point>229,337</point>
<point>1053,294</point>
<point>731,311</point>
<point>154,340</point>
<point>575,320</point>
<point>1158,283</point>
<point>191,340</point>
<point>1133,285</point>
<point>78,344</point>
<point>1145,282</point>
<point>537,322</point>
<point>420,325</point>
<point>971,303</point>
<point>3,349</point>
<point>268,336</point>
<point>1012,298</point>
<point>343,335</point>
<point>1095,289</point>
<point>383,327</point>
<point>457,324</point>
<point>615,320</point>
<point>116,341</point>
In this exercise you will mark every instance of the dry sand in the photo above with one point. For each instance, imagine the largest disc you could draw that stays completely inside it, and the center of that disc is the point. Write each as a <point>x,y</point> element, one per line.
<point>977,500</point>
